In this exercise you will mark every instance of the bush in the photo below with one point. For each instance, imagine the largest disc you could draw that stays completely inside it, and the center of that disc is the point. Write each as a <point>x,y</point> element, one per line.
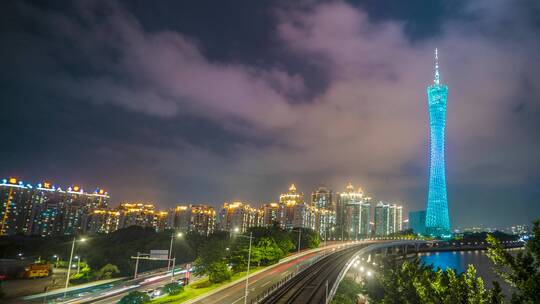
<point>219,272</point>
<point>135,297</point>
<point>106,272</point>
<point>347,292</point>
<point>173,289</point>
<point>201,284</point>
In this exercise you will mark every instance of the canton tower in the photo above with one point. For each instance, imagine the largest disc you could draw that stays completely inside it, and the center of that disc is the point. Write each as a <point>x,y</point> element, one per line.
<point>437,218</point>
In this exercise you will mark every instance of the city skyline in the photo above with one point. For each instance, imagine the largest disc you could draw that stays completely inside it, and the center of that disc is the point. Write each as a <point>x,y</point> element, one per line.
<point>214,102</point>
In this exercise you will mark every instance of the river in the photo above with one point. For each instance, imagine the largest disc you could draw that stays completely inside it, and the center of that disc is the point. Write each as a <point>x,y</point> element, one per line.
<point>459,260</point>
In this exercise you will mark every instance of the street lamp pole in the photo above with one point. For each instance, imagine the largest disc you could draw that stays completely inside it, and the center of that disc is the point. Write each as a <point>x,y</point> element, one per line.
<point>69,266</point>
<point>170,252</point>
<point>299,237</point>
<point>78,264</point>
<point>247,274</point>
<point>179,234</point>
<point>56,257</point>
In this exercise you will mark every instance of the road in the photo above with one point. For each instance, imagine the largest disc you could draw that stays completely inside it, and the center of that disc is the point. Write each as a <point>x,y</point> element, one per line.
<point>83,294</point>
<point>314,283</point>
<point>262,281</point>
<point>231,294</point>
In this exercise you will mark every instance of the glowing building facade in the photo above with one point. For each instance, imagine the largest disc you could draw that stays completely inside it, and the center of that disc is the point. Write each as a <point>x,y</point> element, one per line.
<point>353,213</point>
<point>270,214</point>
<point>45,209</point>
<point>101,221</point>
<point>198,218</point>
<point>15,206</point>
<point>388,219</point>
<point>138,214</point>
<point>437,218</point>
<point>238,217</point>
<point>323,198</point>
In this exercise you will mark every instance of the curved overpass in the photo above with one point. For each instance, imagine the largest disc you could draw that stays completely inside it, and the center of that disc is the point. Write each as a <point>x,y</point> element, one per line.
<point>318,283</point>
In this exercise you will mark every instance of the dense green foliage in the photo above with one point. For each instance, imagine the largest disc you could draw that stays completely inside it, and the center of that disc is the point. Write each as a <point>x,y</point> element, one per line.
<point>106,272</point>
<point>211,260</point>
<point>135,297</point>
<point>347,292</point>
<point>269,245</point>
<point>481,236</point>
<point>115,248</point>
<point>106,256</point>
<point>412,282</point>
<point>173,288</point>
<point>521,271</point>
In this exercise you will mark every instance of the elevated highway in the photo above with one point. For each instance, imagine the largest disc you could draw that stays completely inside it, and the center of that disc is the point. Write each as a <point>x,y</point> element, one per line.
<point>318,283</point>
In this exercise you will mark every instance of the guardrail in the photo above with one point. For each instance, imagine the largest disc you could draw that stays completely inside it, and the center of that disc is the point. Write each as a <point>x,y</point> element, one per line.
<point>261,296</point>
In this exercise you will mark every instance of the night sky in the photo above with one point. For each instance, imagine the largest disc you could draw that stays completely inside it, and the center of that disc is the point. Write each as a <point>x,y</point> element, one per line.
<point>211,101</point>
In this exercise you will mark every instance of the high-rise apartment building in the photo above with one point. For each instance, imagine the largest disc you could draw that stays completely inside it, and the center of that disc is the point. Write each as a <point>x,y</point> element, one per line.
<point>15,206</point>
<point>45,209</point>
<point>323,198</point>
<point>138,214</point>
<point>199,218</point>
<point>270,214</point>
<point>101,221</point>
<point>292,197</point>
<point>325,223</point>
<point>388,219</point>
<point>238,217</point>
<point>353,213</point>
<point>294,213</point>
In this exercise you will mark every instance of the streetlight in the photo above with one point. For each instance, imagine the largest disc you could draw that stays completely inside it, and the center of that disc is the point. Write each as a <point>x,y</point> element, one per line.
<point>299,238</point>
<point>78,263</point>
<point>178,235</point>
<point>57,258</point>
<point>71,262</point>
<point>249,261</point>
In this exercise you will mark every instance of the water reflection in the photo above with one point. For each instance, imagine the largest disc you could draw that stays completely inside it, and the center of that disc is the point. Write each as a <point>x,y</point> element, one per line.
<point>459,261</point>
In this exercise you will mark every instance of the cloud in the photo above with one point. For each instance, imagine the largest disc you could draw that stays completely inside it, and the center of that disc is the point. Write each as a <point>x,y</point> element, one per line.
<point>369,122</point>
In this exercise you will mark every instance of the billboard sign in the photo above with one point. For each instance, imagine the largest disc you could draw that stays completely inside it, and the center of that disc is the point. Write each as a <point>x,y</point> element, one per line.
<point>159,254</point>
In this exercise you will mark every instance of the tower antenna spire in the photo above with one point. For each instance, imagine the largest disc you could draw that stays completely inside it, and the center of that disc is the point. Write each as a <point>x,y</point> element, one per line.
<point>437,79</point>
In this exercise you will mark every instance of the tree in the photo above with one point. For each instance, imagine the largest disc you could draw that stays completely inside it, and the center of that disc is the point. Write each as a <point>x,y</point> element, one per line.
<point>106,272</point>
<point>270,253</point>
<point>173,288</point>
<point>347,292</point>
<point>219,272</point>
<point>211,259</point>
<point>521,271</point>
<point>309,239</point>
<point>135,297</point>
<point>413,282</point>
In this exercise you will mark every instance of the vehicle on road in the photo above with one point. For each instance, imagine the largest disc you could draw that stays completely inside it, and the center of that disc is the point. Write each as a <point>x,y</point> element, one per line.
<point>36,271</point>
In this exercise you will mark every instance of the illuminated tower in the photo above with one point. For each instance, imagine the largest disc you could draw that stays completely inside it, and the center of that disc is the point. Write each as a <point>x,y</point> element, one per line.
<point>437,218</point>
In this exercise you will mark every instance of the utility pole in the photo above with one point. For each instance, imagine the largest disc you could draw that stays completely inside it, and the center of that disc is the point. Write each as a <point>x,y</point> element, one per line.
<point>247,274</point>
<point>69,266</point>
<point>136,265</point>
<point>173,265</point>
<point>326,298</point>
<point>299,237</point>
<point>170,252</point>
